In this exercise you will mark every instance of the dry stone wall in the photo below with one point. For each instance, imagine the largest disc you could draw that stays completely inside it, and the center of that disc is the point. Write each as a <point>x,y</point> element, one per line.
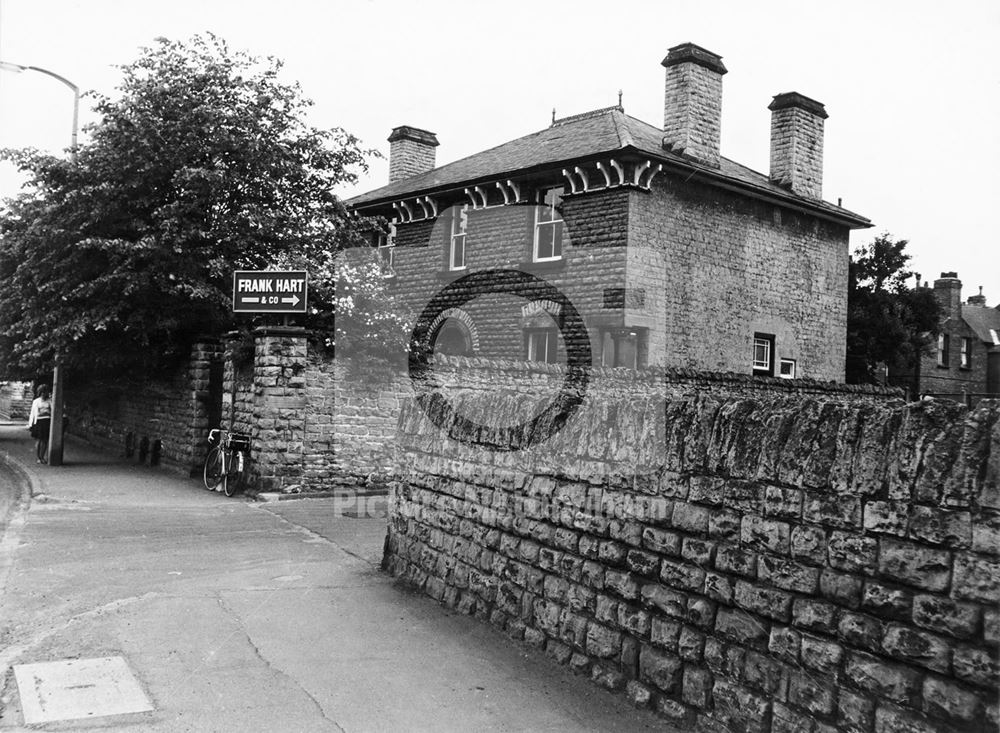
<point>762,563</point>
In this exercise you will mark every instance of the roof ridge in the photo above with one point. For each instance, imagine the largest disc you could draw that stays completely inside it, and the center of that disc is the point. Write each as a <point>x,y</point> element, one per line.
<point>585,115</point>
<point>624,136</point>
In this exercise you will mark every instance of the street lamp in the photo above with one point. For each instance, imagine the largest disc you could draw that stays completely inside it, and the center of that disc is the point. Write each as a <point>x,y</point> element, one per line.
<point>56,425</point>
<point>18,68</point>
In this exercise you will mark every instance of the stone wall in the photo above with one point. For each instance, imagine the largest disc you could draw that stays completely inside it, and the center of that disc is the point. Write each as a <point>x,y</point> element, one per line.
<point>771,563</point>
<point>351,424</point>
<point>174,411</point>
<point>237,393</point>
<point>15,400</point>
<point>352,411</point>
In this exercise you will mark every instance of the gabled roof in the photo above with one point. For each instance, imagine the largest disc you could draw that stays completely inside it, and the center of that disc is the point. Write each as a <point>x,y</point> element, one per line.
<point>982,320</point>
<point>603,131</point>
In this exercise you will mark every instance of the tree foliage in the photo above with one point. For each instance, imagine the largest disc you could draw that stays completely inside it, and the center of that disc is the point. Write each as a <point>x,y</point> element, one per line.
<point>887,322</point>
<point>369,321</point>
<point>118,257</point>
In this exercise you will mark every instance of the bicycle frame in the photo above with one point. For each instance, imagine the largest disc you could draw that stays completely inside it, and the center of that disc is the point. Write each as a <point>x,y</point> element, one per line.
<point>226,462</point>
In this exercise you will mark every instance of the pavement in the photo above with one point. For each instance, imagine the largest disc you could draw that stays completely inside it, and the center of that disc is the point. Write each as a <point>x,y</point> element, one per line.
<point>235,615</point>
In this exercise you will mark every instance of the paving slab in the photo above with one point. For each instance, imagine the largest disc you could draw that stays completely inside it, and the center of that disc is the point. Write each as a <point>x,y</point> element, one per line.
<point>71,689</point>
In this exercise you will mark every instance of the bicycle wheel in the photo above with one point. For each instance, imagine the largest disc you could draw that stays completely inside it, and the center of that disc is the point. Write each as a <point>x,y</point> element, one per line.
<point>213,473</point>
<point>233,480</point>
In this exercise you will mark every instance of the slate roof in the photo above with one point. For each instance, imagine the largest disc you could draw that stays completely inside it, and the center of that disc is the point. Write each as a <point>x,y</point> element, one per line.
<point>604,131</point>
<point>981,320</point>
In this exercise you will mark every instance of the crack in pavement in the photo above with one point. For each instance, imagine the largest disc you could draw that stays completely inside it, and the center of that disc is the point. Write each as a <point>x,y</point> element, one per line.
<point>256,650</point>
<point>316,536</point>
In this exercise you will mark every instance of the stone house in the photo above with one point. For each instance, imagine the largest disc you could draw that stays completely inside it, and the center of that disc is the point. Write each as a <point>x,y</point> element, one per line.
<point>964,363</point>
<point>664,251</point>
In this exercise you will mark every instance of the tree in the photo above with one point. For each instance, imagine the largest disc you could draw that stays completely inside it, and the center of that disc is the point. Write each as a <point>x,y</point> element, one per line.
<point>117,258</point>
<point>367,321</point>
<point>887,323</point>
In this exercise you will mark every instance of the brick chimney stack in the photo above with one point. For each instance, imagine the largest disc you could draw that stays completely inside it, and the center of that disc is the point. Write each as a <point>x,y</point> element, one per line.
<point>948,291</point>
<point>411,152</point>
<point>692,103</point>
<point>797,143</point>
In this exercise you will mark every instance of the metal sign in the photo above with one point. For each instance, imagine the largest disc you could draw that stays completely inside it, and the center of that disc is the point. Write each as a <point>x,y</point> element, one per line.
<point>269,291</point>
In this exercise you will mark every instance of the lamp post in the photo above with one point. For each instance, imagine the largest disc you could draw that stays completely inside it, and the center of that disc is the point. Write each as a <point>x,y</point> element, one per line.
<point>56,425</point>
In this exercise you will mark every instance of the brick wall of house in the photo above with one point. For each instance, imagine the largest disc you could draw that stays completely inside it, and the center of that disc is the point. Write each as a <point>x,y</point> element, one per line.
<point>760,564</point>
<point>703,270</point>
<point>173,411</point>
<point>732,266</point>
<point>501,238</point>
<point>953,378</point>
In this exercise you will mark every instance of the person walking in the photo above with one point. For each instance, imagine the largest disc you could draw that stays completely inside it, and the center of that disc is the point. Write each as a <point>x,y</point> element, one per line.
<point>39,419</point>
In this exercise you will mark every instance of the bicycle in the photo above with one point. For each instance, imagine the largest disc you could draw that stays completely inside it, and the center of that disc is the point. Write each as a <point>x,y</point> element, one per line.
<point>228,462</point>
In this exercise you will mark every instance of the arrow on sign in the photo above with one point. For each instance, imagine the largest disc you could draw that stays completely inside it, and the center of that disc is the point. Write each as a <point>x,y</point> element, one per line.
<point>250,300</point>
<point>294,300</point>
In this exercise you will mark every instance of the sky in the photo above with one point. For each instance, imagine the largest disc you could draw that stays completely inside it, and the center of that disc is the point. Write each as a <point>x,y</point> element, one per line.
<point>912,87</point>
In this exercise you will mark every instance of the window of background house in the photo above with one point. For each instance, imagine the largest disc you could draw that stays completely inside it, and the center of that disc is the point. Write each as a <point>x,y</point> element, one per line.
<point>942,350</point>
<point>786,368</point>
<point>543,345</point>
<point>622,348</point>
<point>456,252</point>
<point>385,243</point>
<point>763,354</point>
<point>548,225</point>
<point>966,353</point>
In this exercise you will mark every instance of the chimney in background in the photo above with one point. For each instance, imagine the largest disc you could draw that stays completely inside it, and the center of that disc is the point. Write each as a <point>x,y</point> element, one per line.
<point>948,291</point>
<point>692,103</point>
<point>797,143</point>
<point>411,152</point>
<point>978,299</point>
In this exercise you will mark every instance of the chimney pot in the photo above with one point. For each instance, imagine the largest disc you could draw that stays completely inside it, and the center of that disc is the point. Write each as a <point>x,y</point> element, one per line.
<point>978,299</point>
<point>692,103</point>
<point>411,152</point>
<point>797,143</point>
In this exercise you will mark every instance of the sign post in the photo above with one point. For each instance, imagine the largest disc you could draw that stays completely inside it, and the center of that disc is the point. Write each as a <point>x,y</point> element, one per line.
<point>270,291</point>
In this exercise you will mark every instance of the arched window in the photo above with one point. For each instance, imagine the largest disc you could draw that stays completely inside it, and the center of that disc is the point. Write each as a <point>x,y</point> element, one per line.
<point>452,337</point>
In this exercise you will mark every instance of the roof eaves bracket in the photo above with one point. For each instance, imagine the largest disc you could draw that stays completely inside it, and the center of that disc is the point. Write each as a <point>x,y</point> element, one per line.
<point>618,169</point>
<point>429,206</point>
<point>506,194</point>
<point>516,189</point>
<point>403,211</point>
<point>653,170</point>
<point>570,179</point>
<point>639,171</point>
<point>604,172</point>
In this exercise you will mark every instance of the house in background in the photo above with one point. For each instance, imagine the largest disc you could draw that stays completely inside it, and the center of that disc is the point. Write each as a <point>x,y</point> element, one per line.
<point>964,363</point>
<point>670,253</point>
